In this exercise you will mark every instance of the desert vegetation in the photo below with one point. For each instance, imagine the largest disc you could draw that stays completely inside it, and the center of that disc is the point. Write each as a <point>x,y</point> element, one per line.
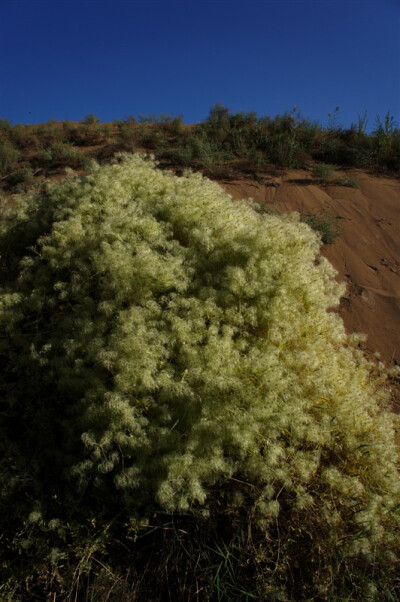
<point>223,142</point>
<point>183,417</point>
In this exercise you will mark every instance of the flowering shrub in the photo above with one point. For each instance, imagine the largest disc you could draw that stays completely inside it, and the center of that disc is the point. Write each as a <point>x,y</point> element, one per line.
<point>167,348</point>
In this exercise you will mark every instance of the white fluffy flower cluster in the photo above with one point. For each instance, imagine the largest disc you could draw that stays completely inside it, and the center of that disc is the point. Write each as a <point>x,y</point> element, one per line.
<point>187,342</point>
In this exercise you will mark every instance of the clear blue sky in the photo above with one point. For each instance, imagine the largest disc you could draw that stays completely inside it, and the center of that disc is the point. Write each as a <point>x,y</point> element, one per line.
<point>63,59</point>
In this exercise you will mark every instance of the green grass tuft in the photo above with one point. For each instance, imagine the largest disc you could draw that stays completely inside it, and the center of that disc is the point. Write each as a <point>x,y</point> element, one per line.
<point>325,224</point>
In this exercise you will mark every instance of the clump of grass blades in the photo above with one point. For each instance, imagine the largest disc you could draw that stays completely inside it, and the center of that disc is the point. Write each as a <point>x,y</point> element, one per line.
<point>325,224</point>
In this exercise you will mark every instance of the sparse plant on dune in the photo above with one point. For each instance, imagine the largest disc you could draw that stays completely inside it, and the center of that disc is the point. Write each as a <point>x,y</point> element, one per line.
<point>91,119</point>
<point>348,181</point>
<point>325,224</point>
<point>386,144</point>
<point>323,171</point>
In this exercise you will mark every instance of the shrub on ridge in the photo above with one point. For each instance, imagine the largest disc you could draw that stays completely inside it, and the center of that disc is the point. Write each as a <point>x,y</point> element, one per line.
<point>167,349</point>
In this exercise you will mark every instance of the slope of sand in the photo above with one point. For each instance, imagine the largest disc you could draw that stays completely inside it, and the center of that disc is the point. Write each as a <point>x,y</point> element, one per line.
<point>366,254</point>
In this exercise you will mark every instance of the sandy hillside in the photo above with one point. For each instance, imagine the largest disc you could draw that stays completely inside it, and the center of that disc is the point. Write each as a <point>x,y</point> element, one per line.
<point>366,254</point>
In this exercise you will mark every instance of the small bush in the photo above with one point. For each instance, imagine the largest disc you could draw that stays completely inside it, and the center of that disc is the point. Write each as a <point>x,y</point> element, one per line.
<point>90,119</point>
<point>20,137</point>
<point>49,133</point>
<point>283,150</point>
<point>45,156</point>
<point>62,153</point>
<point>86,134</point>
<point>349,182</point>
<point>5,126</point>
<point>198,151</point>
<point>9,156</point>
<point>325,224</point>
<point>20,178</point>
<point>107,131</point>
<point>324,171</point>
<point>129,135</point>
<point>152,138</point>
<point>68,129</point>
<point>176,126</point>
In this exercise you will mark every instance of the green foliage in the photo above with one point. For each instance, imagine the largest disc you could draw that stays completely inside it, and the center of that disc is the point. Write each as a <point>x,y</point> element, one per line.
<point>107,131</point>
<point>9,156</point>
<point>163,119</point>
<point>130,135</point>
<point>325,224</point>
<point>349,182</point>
<point>20,178</point>
<point>386,144</point>
<point>45,155</point>
<point>224,138</point>
<point>283,150</point>
<point>385,128</point>
<point>333,123</point>
<point>62,153</point>
<point>323,171</point>
<point>167,351</point>
<point>19,136</point>
<point>198,151</point>
<point>49,133</point>
<point>85,134</point>
<point>362,124</point>
<point>90,119</point>
<point>308,134</point>
<point>5,125</point>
